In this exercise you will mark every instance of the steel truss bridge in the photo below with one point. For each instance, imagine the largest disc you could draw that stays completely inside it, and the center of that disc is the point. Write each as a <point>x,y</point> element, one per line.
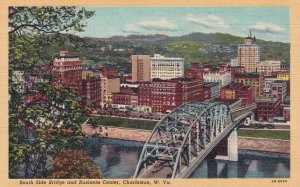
<point>182,139</point>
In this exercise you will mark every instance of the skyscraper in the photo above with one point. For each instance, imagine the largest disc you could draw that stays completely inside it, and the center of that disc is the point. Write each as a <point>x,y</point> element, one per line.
<point>140,68</point>
<point>248,54</point>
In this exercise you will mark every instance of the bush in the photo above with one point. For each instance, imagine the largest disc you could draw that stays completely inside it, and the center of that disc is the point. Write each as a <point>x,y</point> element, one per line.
<point>73,164</point>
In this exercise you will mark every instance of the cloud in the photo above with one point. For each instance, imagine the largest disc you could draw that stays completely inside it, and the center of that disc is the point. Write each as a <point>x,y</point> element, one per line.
<point>266,28</point>
<point>211,21</point>
<point>160,25</point>
<point>131,28</point>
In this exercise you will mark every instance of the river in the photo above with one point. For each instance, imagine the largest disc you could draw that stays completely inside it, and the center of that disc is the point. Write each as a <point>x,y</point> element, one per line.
<point>118,159</point>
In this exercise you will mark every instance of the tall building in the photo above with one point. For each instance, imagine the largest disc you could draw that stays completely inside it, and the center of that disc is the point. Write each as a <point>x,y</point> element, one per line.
<point>166,68</point>
<point>268,67</point>
<point>68,70</point>
<point>165,95</point>
<point>91,89</point>
<point>140,68</point>
<point>252,79</point>
<point>248,54</point>
<point>109,85</point>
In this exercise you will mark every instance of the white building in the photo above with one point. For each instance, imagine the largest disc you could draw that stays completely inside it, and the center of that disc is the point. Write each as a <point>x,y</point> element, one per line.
<point>234,62</point>
<point>222,78</point>
<point>268,84</point>
<point>268,67</point>
<point>248,55</point>
<point>166,67</point>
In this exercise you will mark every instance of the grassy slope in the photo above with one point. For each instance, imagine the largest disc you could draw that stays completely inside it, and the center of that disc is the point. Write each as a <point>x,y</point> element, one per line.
<point>149,125</point>
<point>283,135</point>
<point>125,123</point>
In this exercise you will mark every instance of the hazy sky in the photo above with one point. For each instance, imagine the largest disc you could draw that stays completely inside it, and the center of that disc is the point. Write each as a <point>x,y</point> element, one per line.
<point>267,23</point>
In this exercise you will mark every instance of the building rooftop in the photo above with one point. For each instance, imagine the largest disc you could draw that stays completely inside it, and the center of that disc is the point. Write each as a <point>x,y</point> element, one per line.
<point>210,84</point>
<point>248,75</point>
<point>180,79</point>
<point>158,56</point>
<point>279,81</point>
<point>236,66</point>
<point>267,99</point>
<point>233,85</point>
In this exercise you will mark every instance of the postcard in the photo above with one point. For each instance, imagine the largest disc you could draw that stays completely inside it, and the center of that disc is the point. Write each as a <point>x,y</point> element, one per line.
<point>140,93</point>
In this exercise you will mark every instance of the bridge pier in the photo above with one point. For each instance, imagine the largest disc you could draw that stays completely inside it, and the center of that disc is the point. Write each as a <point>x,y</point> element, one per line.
<point>252,116</point>
<point>232,147</point>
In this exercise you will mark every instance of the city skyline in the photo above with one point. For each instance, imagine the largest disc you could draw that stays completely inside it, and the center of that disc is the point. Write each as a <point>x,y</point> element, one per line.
<point>272,25</point>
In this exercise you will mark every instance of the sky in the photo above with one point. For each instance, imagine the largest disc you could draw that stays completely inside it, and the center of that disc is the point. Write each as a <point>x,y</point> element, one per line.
<point>267,23</point>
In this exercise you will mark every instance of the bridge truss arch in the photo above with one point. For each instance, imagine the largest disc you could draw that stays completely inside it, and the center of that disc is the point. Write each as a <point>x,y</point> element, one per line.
<point>181,137</point>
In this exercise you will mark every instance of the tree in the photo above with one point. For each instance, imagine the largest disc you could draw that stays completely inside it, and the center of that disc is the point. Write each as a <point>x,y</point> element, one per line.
<point>73,164</point>
<point>50,121</point>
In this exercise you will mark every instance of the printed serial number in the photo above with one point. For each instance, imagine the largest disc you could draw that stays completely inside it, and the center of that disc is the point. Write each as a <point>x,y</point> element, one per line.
<point>279,181</point>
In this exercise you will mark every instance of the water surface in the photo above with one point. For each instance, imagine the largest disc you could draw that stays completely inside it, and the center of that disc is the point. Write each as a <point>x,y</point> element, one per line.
<point>118,159</point>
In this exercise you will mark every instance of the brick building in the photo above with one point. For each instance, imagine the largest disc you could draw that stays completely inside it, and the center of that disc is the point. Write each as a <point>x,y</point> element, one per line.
<point>165,95</point>
<point>267,108</point>
<point>68,70</point>
<point>255,80</point>
<point>110,73</point>
<point>196,65</point>
<point>235,70</point>
<point>238,91</point>
<point>193,73</point>
<point>286,113</point>
<point>126,96</point>
<point>91,89</point>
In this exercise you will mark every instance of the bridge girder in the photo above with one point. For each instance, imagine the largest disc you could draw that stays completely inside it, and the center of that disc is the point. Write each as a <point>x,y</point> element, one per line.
<point>182,134</point>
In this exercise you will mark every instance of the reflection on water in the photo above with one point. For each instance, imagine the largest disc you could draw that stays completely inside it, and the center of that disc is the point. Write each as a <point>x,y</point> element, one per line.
<point>115,158</point>
<point>118,159</point>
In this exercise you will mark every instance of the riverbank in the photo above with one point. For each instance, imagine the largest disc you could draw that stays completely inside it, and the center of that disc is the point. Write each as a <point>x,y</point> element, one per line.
<point>244,143</point>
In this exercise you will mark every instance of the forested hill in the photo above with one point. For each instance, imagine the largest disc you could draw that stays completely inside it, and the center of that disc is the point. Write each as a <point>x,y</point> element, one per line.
<point>116,51</point>
<point>193,47</point>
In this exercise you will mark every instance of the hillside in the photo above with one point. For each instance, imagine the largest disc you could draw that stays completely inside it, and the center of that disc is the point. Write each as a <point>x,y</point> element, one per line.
<point>215,47</point>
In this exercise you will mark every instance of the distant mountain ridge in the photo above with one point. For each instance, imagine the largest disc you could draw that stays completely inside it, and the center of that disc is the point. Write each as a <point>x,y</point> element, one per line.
<point>196,36</point>
<point>149,38</point>
<point>197,46</point>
